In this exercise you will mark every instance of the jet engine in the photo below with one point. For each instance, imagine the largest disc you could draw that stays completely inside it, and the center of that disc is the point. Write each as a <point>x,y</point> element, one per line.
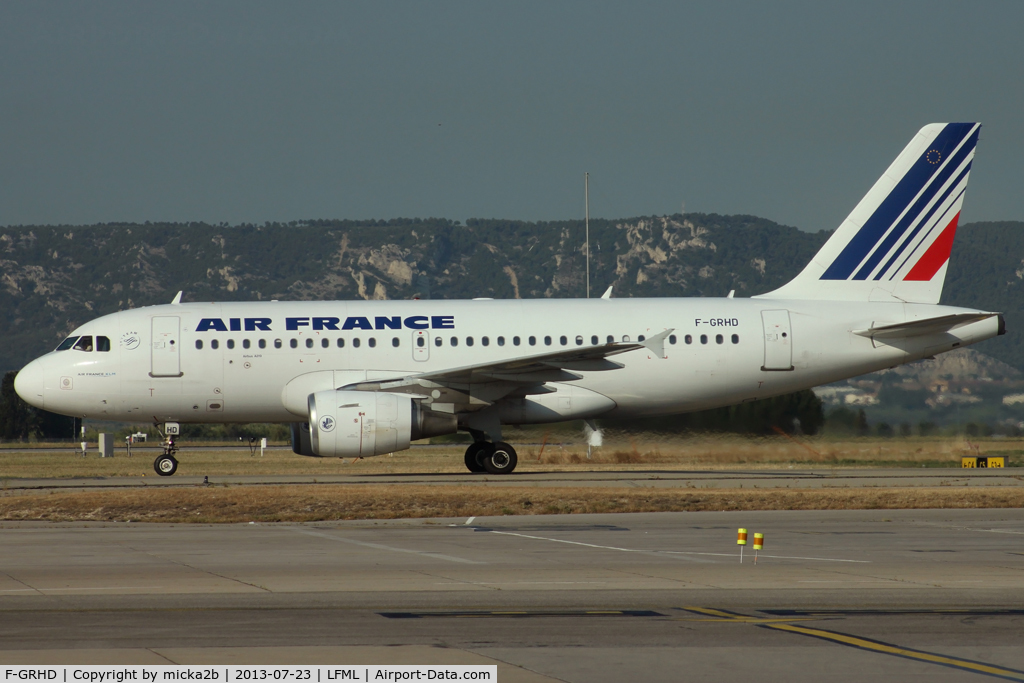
<point>350,424</point>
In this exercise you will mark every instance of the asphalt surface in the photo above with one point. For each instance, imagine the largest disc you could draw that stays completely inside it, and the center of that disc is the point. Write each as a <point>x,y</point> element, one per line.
<point>648,478</point>
<point>934,595</point>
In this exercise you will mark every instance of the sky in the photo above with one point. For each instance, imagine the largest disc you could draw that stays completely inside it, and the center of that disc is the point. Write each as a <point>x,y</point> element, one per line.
<point>275,111</point>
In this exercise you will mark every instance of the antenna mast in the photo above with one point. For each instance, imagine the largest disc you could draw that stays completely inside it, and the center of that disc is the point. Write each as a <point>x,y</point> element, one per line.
<point>586,202</point>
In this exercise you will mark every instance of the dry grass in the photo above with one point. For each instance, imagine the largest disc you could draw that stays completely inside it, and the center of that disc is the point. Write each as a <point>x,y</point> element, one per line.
<point>335,502</point>
<point>621,452</point>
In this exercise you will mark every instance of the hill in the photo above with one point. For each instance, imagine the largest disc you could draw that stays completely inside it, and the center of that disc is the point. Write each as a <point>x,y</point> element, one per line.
<point>53,278</point>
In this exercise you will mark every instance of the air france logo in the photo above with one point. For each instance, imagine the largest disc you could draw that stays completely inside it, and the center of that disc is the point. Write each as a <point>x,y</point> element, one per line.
<point>326,423</point>
<point>319,323</point>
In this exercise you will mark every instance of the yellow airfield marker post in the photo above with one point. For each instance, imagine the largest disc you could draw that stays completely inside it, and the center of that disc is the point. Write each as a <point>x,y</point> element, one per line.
<point>758,544</point>
<point>741,540</point>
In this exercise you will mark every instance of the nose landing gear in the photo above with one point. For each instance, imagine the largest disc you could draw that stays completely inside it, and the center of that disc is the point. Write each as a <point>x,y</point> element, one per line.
<point>493,458</point>
<point>166,464</point>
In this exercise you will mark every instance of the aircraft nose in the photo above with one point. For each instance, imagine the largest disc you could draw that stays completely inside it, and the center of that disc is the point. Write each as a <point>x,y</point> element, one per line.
<point>29,384</point>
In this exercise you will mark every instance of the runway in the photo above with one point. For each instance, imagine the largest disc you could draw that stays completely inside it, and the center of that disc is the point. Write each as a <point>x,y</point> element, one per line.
<point>882,595</point>
<point>823,477</point>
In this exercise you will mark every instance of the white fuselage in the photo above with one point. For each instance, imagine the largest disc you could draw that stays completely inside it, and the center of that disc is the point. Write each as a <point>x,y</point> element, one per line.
<point>252,368</point>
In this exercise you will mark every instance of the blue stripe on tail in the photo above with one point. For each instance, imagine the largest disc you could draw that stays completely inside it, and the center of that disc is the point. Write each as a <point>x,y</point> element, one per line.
<point>908,187</point>
<point>915,211</point>
<point>924,221</point>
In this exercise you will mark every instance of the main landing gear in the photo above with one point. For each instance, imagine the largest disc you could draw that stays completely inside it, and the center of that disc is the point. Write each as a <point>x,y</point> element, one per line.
<point>493,458</point>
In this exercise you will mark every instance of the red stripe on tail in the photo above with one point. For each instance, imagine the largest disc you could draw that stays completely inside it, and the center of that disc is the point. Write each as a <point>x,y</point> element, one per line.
<point>937,254</point>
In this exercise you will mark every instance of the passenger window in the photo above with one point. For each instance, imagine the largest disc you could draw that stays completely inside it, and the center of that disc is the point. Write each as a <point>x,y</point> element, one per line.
<point>231,343</point>
<point>103,344</point>
<point>356,342</point>
<point>579,340</point>
<point>515,341</point>
<point>372,341</point>
<point>437,341</point>
<point>641,338</point>
<point>67,343</point>
<point>420,342</point>
<point>486,341</point>
<point>735,339</point>
<point>611,339</point>
<point>325,342</point>
<point>688,339</point>
<point>293,342</point>
<point>309,342</point>
<point>469,341</point>
<point>199,344</point>
<point>394,341</point>
<point>501,341</point>
<point>594,340</point>
<point>84,344</point>
<point>562,340</point>
<point>547,341</point>
<point>703,339</point>
<point>625,337</point>
<point>263,343</point>
<point>245,343</point>
<point>341,343</point>
<point>455,341</point>
<point>672,339</point>
<point>533,341</point>
<point>277,343</point>
<point>719,339</point>
<point>214,343</point>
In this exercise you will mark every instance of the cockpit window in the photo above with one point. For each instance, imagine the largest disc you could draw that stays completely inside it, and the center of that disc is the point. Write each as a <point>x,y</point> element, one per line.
<point>103,344</point>
<point>83,344</point>
<point>67,343</point>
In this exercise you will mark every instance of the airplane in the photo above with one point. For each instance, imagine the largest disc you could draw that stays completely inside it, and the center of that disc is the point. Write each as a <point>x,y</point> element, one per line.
<point>365,378</point>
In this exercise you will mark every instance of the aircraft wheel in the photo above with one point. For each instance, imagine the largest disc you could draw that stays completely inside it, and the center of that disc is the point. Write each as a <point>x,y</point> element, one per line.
<point>474,456</point>
<point>165,465</point>
<point>502,460</point>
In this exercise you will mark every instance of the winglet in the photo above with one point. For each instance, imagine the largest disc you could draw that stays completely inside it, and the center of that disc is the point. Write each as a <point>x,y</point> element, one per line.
<point>607,293</point>
<point>177,299</point>
<point>656,344</point>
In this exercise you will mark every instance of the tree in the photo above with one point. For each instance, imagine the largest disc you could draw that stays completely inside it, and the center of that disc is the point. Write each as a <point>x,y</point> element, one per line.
<point>799,412</point>
<point>843,421</point>
<point>19,420</point>
<point>15,415</point>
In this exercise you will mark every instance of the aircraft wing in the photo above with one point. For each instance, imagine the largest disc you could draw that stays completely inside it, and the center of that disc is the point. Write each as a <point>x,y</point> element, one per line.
<point>506,376</point>
<point>916,328</point>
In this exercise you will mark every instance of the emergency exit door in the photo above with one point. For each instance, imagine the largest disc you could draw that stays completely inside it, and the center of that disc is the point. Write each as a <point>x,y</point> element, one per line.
<point>778,341</point>
<point>420,345</point>
<point>165,346</point>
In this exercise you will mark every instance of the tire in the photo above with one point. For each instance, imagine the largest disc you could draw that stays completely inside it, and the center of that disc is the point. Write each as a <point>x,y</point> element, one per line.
<point>473,456</point>
<point>165,465</point>
<point>502,460</point>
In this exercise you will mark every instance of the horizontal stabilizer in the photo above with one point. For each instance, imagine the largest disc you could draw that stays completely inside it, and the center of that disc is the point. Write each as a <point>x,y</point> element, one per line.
<point>917,328</point>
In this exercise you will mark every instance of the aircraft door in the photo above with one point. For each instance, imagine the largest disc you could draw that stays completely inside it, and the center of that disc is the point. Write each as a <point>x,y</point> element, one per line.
<point>165,346</point>
<point>778,340</point>
<point>420,345</point>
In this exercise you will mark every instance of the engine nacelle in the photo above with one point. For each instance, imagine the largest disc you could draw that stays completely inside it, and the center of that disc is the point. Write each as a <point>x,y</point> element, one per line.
<point>351,424</point>
<point>300,439</point>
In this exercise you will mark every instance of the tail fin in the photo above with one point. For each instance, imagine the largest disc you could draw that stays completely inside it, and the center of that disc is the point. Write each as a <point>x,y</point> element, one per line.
<point>895,245</point>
